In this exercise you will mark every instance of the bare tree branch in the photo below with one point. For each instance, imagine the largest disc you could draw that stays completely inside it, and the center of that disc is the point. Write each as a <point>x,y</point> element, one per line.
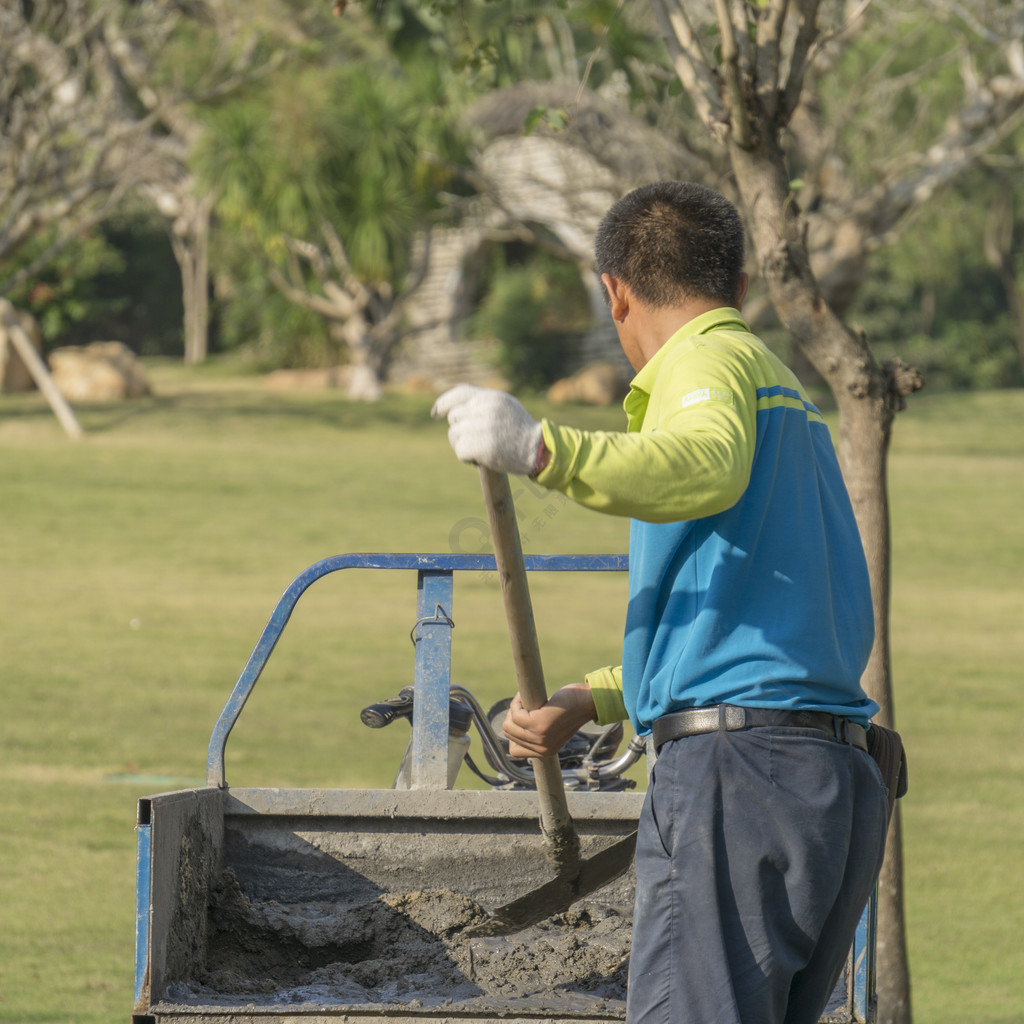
<point>850,218</point>
<point>768,53</point>
<point>692,65</point>
<point>799,59</point>
<point>69,149</point>
<point>732,73</point>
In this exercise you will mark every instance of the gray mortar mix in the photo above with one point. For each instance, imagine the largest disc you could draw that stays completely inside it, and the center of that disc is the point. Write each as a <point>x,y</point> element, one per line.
<point>409,949</point>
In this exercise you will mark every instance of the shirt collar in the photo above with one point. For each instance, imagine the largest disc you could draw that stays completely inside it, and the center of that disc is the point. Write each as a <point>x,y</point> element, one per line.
<point>635,404</point>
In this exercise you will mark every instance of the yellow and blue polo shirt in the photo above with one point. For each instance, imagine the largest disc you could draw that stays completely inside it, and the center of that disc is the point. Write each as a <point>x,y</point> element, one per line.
<point>747,578</point>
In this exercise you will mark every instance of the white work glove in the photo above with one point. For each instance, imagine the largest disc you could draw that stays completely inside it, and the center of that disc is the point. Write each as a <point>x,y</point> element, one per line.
<point>490,428</point>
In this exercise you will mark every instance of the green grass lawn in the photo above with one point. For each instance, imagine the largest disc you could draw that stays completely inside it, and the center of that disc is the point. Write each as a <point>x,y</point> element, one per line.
<point>138,567</point>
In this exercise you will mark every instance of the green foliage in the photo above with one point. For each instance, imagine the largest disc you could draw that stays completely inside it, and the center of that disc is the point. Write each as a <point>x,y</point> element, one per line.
<point>350,144</point>
<point>143,305</point>
<point>253,318</point>
<point>360,132</point>
<point>933,300</point>
<point>68,292</point>
<point>494,43</point>
<point>534,310</point>
<point>351,141</point>
<point>555,118</point>
<point>887,96</point>
<point>964,356</point>
<point>119,282</point>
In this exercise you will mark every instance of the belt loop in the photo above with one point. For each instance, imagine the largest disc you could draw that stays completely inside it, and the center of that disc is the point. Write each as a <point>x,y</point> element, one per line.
<point>723,724</point>
<point>840,726</point>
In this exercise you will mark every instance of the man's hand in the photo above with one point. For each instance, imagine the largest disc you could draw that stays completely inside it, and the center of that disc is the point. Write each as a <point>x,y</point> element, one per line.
<point>490,428</point>
<point>542,733</point>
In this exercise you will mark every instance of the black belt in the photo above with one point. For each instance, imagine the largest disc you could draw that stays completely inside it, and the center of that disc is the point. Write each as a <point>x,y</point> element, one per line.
<point>729,717</point>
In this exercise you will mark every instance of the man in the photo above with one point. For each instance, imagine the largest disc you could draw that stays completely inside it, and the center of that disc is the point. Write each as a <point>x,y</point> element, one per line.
<point>748,626</point>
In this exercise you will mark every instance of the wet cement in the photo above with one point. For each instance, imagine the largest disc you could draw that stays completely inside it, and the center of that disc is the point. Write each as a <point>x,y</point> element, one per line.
<point>389,949</point>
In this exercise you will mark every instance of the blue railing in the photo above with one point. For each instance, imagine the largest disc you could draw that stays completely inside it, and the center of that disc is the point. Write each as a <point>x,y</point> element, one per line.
<point>432,637</point>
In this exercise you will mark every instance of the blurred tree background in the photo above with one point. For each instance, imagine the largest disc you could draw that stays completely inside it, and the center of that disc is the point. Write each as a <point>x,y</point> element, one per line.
<point>256,180</point>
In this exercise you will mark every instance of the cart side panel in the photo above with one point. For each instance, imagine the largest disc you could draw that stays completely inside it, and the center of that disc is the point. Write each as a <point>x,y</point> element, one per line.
<point>353,902</point>
<point>187,845</point>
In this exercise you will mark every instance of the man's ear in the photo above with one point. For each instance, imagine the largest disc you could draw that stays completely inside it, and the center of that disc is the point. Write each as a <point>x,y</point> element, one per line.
<point>618,296</point>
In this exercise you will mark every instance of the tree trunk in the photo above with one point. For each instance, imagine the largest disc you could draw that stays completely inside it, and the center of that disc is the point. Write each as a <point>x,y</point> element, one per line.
<point>868,398</point>
<point>365,383</point>
<point>35,365</point>
<point>999,251</point>
<point>198,322</point>
<point>893,983</point>
<point>864,438</point>
<point>190,240</point>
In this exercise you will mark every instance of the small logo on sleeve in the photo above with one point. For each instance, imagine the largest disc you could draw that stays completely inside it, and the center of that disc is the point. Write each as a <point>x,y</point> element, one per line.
<point>723,395</point>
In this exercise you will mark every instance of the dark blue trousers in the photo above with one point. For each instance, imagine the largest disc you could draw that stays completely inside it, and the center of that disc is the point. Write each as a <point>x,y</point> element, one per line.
<point>756,854</point>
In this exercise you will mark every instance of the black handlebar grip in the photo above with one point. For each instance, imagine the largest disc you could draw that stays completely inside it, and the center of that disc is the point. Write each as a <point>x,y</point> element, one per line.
<point>376,716</point>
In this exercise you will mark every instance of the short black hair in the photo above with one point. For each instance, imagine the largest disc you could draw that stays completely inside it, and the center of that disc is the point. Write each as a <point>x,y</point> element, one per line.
<point>671,241</point>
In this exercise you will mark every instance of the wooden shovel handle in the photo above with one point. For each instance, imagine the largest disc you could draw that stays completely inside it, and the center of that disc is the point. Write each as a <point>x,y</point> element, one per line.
<point>556,823</point>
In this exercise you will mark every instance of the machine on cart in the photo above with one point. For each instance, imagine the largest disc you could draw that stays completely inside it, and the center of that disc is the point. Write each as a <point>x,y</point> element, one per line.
<point>271,906</point>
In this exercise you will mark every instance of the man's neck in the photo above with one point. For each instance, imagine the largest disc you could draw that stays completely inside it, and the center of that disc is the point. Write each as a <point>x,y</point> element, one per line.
<point>655,326</point>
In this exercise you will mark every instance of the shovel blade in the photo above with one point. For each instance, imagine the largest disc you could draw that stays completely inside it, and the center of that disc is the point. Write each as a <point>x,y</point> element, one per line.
<point>559,894</point>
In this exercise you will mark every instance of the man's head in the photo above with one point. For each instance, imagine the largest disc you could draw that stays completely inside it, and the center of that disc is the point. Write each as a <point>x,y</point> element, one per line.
<point>673,242</point>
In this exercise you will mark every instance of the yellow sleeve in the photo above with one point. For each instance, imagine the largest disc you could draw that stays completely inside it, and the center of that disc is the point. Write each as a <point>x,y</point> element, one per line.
<point>606,689</point>
<point>691,459</point>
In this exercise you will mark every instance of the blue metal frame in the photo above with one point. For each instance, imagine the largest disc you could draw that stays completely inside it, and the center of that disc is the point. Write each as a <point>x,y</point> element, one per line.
<point>863,958</point>
<point>432,636</point>
<point>143,902</point>
<point>433,646</point>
